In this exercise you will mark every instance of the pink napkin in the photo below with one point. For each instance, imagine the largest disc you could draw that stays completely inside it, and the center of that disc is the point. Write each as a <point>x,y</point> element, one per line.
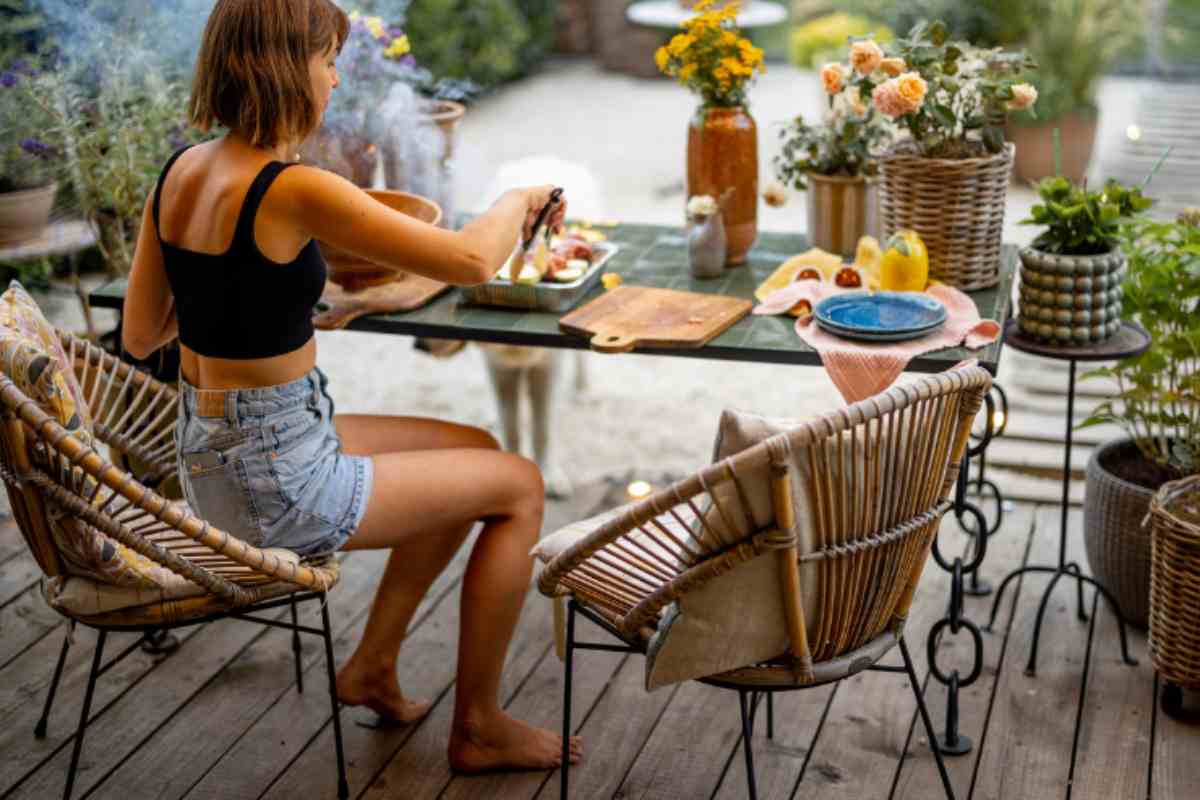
<point>859,369</point>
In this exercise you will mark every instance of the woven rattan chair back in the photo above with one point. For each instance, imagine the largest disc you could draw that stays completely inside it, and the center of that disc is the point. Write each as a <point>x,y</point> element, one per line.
<point>877,477</point>
<point>45,465</point>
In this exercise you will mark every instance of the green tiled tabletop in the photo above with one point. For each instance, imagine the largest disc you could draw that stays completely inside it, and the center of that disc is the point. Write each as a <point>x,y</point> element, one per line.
<point>657,256</point>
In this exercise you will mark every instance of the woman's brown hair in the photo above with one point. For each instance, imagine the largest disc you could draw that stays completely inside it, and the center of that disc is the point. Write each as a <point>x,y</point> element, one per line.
<point>252,73</point>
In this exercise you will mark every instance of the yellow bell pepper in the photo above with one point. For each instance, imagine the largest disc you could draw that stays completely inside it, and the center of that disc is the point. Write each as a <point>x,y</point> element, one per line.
<point>905,264</point>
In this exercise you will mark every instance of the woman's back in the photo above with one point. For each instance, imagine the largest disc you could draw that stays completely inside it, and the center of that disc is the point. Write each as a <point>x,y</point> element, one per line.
<point>242,273</point>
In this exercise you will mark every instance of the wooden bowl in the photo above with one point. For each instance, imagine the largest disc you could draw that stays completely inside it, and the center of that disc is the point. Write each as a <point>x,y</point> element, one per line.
<point>354,273</point>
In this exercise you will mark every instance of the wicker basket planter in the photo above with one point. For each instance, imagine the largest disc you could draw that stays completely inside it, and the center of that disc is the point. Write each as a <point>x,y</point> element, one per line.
<point>1118,545</point>
<point>1175,583</point>
<point>1070,299</point>
<point>957,208</point>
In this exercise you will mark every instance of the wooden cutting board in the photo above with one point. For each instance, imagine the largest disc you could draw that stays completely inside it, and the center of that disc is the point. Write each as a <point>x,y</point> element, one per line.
<point>631,316</point>
<point>408,293</point>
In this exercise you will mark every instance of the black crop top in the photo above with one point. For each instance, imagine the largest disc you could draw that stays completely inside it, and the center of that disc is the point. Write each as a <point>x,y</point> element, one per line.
<point>241,304</point>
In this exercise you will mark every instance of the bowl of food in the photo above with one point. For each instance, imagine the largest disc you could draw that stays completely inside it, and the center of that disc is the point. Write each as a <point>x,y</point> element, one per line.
<point>355,273</point>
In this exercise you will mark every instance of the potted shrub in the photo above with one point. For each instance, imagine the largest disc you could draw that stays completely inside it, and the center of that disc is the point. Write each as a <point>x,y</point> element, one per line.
<point>28,158</point>
<point>949,179</point>
<point>712,59</point>
<point>1157,404</point>
<point>1071,275</point>
<point>835,162</point>
<point>1073,42</point>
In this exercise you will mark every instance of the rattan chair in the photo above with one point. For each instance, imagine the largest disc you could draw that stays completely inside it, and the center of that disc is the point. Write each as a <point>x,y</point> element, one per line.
<point>879,476</point>
<point>48,469</point>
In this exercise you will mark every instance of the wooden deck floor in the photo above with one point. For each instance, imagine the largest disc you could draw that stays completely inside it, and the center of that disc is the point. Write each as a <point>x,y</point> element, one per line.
<point>221,718</point>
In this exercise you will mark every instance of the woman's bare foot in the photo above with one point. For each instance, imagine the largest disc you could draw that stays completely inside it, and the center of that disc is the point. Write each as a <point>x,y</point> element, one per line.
<point>379,692</point>
<point>500,742</point>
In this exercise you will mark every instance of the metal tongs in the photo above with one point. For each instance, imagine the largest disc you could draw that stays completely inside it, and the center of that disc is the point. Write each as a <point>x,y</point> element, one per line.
<point>517,261</point>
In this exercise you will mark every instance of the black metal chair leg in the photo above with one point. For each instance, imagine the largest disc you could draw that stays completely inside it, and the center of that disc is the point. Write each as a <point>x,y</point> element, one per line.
<point>296,651</point>
<point>929,732</point>
<point>567,670</point>
<point>770,715</point>
<point>748,746</point>
<point>343,786</point>
<point>39,731</point>
<point>83,714</point>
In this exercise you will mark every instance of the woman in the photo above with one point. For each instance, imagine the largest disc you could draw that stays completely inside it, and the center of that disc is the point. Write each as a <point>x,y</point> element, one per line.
<point>227,262</point>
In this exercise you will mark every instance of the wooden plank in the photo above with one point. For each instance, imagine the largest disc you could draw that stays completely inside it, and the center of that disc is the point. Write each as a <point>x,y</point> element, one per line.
<point>539,702</point>
<point>415,763</point>
<point>613,731</point>
<point>1027,749</point>
<point>165,738</point>
<point>1176,771</point>
<point>17,575</point>
<point>11,540</point>
<point>867,730</point>
<point>1113,751</point>
<point>23,686</point>
<point>379,756</point>
<point>918,776</point>
<point>23,622</point>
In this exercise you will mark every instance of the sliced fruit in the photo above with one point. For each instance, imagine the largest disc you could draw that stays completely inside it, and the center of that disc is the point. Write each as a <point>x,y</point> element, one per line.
<point>849,278</point>
<point>568,274</point>
<point>580,264</point>
<point>529,275</point>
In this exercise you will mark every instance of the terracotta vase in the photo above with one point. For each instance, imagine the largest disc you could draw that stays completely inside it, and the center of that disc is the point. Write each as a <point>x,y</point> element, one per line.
<point>1035,147</point>
<point>352,156</point>
<point>841,211</point>
<point>722,161</point>
<point>24,214</point>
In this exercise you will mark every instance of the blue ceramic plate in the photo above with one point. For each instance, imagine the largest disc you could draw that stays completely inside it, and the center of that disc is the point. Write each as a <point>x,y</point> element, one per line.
<point>880,317</point>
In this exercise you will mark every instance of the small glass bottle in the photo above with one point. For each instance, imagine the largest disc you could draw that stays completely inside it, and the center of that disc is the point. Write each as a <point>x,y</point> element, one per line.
<point>706,245</point>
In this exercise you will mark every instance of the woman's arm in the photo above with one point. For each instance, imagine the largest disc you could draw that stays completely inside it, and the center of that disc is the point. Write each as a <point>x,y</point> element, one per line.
<point>331,209</point>
<point>148,318</point>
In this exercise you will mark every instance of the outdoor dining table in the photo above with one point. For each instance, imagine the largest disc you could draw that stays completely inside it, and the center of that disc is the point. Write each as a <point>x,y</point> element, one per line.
<point>656,256</point>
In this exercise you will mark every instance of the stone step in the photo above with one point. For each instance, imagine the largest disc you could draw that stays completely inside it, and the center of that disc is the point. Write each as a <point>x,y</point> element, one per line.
<point>1038,459</point>
<point>1021,488</point>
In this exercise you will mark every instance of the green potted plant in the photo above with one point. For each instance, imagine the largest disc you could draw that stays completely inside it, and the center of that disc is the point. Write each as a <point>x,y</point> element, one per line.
<point>28,157</point>
<point>1074,42</point>
<point>1071,275</point>
<point>836,160</point>
<point>1157,404</point>
<point>948,179</point>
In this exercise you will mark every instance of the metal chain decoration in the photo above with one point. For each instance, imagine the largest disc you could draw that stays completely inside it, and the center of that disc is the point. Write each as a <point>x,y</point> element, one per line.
<point>964,575</point>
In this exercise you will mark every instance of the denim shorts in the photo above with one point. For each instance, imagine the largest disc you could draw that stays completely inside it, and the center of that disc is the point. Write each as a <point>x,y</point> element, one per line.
<point>266,465</point>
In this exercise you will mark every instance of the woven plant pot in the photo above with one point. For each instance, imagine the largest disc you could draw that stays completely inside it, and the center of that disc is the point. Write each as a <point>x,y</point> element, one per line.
<point>956,206</point>
<point>1118,545</point>
<point>1175,582</point>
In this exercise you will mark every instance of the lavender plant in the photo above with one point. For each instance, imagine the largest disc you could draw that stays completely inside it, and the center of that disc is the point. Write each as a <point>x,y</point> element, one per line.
<point>29,158</point>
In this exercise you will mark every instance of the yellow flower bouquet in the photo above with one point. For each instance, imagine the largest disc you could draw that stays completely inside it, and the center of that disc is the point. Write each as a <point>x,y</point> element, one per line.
<point>711,57</point>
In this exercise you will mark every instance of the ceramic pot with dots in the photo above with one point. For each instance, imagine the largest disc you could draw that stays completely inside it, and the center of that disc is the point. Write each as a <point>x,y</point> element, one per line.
<point>1070,299</point>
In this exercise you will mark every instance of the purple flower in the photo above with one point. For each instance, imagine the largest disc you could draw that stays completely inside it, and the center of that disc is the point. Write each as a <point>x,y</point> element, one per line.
<point>35,148</point>
<point>408,60</point>
<point>8,80</point>
<point>396,32</point>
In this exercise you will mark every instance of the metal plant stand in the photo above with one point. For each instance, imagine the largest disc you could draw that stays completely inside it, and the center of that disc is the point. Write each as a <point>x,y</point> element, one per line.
<point>1131,340</point>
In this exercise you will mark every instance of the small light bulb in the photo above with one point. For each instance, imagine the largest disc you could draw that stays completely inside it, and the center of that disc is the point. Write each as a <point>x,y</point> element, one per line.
<point>1134,133</point>
<point>639,489</point>
<point>998,420</point>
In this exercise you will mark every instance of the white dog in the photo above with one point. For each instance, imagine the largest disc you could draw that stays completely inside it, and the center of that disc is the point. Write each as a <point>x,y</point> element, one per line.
<point>539,369</point>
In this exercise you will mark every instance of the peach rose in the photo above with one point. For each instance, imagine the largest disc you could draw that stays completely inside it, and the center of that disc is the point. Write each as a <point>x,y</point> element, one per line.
<point>1024,96</point>
<point>893,66</point>
<point>855,101</point>
<point>887,100</point>
<point>912,88</point>
<point>833,78</point>
<point>865,56</point>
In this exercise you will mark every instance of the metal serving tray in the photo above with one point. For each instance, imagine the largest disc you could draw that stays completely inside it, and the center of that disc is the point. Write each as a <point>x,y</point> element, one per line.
<point>546,295</point>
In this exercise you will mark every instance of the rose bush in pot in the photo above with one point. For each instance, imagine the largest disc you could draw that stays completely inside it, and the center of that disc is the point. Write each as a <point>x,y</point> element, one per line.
<point>836,161</point>
<point>1157,405</point>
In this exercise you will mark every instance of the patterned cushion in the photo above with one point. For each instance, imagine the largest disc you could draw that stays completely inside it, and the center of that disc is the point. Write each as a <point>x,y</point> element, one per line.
<point>32,356</point>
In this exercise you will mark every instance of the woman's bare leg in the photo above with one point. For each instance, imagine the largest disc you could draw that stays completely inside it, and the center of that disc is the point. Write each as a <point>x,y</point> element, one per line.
<point>422,505</point>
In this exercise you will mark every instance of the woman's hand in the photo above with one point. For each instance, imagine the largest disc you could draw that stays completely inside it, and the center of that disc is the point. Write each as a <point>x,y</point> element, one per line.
<point>536,198</point>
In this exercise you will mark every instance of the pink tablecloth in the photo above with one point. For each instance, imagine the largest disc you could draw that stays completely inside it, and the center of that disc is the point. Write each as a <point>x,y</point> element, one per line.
<point>859,369</point>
